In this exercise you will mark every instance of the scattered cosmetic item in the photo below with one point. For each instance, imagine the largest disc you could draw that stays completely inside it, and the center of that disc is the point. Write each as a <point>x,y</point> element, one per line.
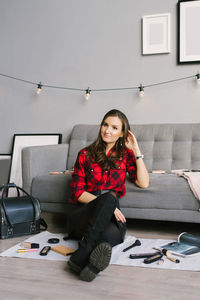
<point>30,245</point>
<point>171,252</point>
<point>45,250</point>
<point>26,250</point>
<point>142,255</point>
<point>57,172</point>
<point>167,254</point>
<point>160,261</point>
<point>136,243</point>
<point>151,259</point>
<point>178,254</point>
<point>62,172</point>
<point>62,250</point>
<point>53,241</point>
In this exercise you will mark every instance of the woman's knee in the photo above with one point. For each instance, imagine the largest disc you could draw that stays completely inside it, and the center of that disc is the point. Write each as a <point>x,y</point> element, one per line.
<point>108,199</point>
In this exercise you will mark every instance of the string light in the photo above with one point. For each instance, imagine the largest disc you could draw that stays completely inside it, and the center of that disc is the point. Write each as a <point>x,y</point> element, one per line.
<point>198,76</point>
<point>87,94</point>
<point>141,90</point>
<point>39,88</point>
<point>88,90</point>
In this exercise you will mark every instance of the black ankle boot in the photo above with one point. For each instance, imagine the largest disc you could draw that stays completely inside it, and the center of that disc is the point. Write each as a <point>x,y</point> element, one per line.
<point>99,260</point>
<point>79,259</point>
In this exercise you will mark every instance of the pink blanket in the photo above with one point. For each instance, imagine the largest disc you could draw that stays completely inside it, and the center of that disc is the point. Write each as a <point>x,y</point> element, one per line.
<point>193,179</point>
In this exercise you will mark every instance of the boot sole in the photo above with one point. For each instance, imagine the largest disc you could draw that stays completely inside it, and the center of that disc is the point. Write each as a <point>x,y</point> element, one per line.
<point>98,261</point>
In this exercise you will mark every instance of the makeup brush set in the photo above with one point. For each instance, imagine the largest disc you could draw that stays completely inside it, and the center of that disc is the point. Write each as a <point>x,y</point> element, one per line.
<point>153,256</point>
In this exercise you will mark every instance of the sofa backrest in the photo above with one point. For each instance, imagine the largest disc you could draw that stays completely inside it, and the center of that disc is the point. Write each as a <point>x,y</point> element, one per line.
<point>165,146</point>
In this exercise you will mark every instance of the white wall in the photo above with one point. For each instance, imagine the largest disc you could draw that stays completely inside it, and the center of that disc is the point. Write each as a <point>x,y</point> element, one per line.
<point>95,43</point>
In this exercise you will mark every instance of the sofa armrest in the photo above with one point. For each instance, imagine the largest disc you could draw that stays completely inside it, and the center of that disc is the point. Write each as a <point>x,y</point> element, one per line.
<point>40,160</point>
<point>53,191</point>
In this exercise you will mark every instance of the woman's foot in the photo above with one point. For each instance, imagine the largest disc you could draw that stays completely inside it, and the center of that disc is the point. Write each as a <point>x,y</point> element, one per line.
<point>80,258</point>
<point>99,260</point>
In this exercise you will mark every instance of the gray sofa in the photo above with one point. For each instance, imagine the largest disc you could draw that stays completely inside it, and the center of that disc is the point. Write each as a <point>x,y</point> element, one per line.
<point>165,146</point>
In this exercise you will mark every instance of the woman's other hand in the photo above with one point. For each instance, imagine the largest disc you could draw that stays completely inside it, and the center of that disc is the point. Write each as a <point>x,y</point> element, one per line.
<point>119,216</point>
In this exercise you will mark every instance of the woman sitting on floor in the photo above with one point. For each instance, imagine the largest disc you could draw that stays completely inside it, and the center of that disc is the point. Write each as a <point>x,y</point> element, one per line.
<point>98,181</point>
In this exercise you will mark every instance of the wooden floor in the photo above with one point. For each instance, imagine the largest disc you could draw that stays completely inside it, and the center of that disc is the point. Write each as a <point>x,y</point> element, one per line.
<point>38,279</point>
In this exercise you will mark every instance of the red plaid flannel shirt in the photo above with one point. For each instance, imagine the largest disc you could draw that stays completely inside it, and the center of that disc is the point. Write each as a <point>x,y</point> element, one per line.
<point>90,177</point>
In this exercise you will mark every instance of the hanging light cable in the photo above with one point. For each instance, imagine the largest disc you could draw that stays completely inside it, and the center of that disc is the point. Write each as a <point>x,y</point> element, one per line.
<point>88,90</point>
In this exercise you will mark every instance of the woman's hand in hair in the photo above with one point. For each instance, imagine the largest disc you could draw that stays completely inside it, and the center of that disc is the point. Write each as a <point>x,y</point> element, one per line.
<point>132,144</point>
<point>141,170</point>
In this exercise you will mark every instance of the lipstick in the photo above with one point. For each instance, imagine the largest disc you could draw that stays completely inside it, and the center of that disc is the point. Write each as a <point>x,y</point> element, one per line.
<point>27,250</point>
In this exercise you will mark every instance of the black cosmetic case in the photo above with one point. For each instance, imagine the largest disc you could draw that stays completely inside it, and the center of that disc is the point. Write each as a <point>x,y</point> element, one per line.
<point>19,215</point>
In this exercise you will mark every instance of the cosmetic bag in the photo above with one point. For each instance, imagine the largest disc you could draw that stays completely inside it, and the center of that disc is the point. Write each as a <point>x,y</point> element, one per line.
<point>19,215</point>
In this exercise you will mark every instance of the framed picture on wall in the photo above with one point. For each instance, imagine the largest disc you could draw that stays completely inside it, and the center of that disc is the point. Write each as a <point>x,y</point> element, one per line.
<point>25,140</point>
<point>188,35</point>
<point>156,34</point>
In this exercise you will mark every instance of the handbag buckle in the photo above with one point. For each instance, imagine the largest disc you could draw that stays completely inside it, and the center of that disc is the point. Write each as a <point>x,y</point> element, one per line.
<point>10,231</point>
<point>33,227</point>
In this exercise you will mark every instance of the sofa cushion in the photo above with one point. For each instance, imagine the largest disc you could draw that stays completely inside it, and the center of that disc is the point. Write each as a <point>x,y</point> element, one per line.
<point>166,191</point>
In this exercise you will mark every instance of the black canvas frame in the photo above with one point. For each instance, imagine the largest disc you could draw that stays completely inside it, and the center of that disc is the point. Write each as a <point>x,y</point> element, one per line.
<point>25,140</point>
<point>184,33</point>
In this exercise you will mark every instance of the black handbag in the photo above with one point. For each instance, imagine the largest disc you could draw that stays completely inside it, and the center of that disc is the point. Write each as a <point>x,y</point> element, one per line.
<point>19,215</point>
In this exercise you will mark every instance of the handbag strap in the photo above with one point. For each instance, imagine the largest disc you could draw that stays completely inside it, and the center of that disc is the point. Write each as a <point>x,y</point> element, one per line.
<point>43,223</point>
<point>3,205</point>
<point>5,188</point>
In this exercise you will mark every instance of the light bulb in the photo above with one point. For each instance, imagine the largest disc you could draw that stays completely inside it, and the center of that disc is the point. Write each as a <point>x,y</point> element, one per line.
<point>87,94</point>
<point>39,88</point>
<point>141,90</point>
<point>198,76</point>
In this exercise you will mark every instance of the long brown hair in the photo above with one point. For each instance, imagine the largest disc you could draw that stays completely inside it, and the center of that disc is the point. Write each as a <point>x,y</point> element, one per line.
<point>97,150</point>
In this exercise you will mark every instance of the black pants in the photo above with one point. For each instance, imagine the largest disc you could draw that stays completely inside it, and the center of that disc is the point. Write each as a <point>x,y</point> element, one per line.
<point>79,216</point>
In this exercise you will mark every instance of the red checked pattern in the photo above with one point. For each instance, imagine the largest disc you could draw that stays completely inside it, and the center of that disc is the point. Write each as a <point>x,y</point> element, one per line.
<point>90,177</point>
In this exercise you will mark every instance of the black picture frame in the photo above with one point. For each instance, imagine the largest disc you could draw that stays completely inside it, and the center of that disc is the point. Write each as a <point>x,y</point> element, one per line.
<point>26,140</point>
<point>188,37</point>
